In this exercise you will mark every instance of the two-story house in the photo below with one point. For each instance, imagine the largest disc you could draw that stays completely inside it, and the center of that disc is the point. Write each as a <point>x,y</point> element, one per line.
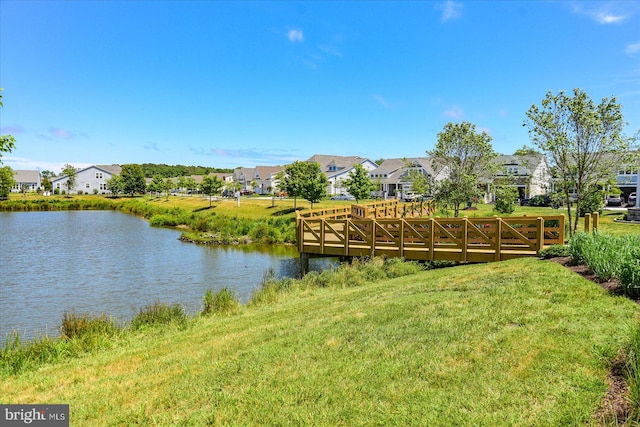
<point>92,179</point>
<point>338,168</point>
<point>393,177</point>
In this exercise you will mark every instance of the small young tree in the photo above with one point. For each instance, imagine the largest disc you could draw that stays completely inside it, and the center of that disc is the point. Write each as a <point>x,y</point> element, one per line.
<point>70,172</point>
<point>210,186</point>
<point>115,185</point>
<point>156,185</point>
<point>506,196</point>
<point>359,184</point>
<point>167,185</point>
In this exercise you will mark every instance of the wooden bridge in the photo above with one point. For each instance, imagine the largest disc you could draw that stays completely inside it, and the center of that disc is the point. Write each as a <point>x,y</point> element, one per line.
<point>393,229</point>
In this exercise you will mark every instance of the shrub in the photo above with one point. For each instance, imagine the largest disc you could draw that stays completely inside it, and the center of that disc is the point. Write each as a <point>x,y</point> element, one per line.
<point>222,302</point>
<point>160,314</point>
<point>505,199</point>
<point>591,202</point>
<point>540,201</point>
<point>555,251</point>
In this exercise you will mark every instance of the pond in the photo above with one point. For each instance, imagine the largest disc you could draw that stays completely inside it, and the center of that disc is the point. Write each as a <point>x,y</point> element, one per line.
<point>113,263</point>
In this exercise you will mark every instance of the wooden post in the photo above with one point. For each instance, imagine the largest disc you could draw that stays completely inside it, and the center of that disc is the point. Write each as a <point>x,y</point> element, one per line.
<point>465,241</point>
<point>347,227</point>
<point>304,263</point>
<point>587,222</point>
<point>539,234</point>
<point>498,239</point>
<point>431,238</point>
<point>373,237</point>
<point>596,218</point>
<point>322,235</point>
<point>401,231</point>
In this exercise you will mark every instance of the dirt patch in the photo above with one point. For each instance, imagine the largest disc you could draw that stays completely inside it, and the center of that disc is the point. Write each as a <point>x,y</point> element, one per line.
<point>613,285</point>
<point>614,408</point>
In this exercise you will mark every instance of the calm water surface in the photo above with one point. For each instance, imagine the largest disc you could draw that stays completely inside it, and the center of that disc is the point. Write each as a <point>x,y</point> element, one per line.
<point>106,261</point>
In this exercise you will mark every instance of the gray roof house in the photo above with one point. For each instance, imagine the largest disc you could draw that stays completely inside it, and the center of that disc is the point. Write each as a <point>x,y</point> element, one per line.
<point>337,168</point>
<point>26,180</point>
<point>392,176</point>
<point>531,174</point>
<point>92,179</point>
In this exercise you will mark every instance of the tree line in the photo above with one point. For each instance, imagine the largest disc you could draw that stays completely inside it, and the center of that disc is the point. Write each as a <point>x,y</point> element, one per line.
<point>582,139</point>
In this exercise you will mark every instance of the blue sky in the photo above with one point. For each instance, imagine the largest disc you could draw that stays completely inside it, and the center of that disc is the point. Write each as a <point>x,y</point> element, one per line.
<point>247,83</point>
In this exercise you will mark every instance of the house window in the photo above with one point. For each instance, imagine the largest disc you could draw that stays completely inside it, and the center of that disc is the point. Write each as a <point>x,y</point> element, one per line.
<point>103,187</point>
<point>87,185</point>
<point>98,175</point>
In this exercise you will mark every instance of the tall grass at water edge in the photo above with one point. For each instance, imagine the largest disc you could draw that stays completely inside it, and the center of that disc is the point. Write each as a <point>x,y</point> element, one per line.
<point>610,257</point>
<point>84,333</point>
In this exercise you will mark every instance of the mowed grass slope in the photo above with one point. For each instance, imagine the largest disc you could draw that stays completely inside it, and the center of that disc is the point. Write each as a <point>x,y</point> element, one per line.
<point>523,342</point>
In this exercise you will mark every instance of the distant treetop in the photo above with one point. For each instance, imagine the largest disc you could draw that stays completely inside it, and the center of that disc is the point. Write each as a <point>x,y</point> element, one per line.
<point>169,171</point>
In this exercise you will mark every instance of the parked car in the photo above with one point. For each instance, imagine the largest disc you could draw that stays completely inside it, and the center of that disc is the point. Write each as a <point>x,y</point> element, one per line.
<point>615,200</point>
<point>342,197</point>
<point>411,197</point>
<point>631,201</point>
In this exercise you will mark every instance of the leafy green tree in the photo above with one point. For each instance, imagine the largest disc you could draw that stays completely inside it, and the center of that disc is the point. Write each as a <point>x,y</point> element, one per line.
<point>167,185</point>
<point>46,179</point>
<point>467,156</point>
<point>359,184</point>
<point>306,180</point>
<point>7,181</point>
<point>314,184</point>
<point>70,172</point>
<point>191,185</point>
<point>156,185</point>
<point>133,179</point>
<point>7,142</point>
<point>210,186</point>
<point>506,196</point>
<point>290,181</point>
<point>526,151</point>
<point>583,142</point>
<point>115,185</point>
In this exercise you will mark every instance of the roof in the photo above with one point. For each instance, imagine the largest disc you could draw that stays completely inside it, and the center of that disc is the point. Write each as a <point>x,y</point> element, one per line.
<point>395,168</point>
<point>27,175</point>
<point>529,162</point>
<point>110,169</point>
<point>265,172</point>
<point>335,165</point>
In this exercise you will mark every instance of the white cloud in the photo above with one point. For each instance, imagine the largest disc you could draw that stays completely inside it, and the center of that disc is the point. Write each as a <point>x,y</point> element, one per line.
<point>610,12</point>
<point>454,112</point>
<point>632,48</point>
<point>450,10</point>
<point>21,163</point>
<point>381,100</point>
<point>295,36</point>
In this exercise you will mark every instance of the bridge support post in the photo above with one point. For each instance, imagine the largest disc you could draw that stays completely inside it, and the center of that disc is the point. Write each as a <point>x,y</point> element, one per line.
<point>304,263</point>
<point>587,222</point>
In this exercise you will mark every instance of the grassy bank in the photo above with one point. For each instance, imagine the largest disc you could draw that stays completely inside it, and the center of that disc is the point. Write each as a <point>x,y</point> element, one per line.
<point>523,342</point>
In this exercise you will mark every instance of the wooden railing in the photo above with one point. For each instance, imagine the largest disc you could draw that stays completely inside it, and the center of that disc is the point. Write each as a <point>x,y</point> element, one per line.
<point>456,239</point>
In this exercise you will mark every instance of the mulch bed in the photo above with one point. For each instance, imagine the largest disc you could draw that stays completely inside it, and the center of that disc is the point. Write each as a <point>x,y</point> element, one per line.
<point>614,406</point>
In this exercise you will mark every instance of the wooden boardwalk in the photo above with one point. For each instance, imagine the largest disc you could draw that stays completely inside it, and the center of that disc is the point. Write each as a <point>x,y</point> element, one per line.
<point>395,230</point>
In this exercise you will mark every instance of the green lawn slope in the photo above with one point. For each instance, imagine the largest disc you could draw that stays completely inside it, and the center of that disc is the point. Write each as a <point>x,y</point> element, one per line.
<point>523,342</point>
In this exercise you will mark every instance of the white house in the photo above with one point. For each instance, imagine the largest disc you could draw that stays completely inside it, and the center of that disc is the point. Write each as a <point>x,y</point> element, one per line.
<point>92,179</point>
<point>26,180</point>
<point>531,174</point>
<point>392,177</point>
<point>338,168</point>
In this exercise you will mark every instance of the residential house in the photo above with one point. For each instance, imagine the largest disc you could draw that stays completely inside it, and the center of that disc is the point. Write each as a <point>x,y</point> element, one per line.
<point>393,176</point>
<point>530,174</point>
<point>26,180</point>
<point>338,168</point>
<point>261,179</point>
<point>267,178</point>
<point>92,179</point>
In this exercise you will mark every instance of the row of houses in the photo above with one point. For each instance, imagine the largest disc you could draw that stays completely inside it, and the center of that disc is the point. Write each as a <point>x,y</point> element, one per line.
<point>530,174</point>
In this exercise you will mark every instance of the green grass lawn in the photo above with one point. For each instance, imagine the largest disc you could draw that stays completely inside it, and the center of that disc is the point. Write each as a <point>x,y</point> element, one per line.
<point>523,342</point>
